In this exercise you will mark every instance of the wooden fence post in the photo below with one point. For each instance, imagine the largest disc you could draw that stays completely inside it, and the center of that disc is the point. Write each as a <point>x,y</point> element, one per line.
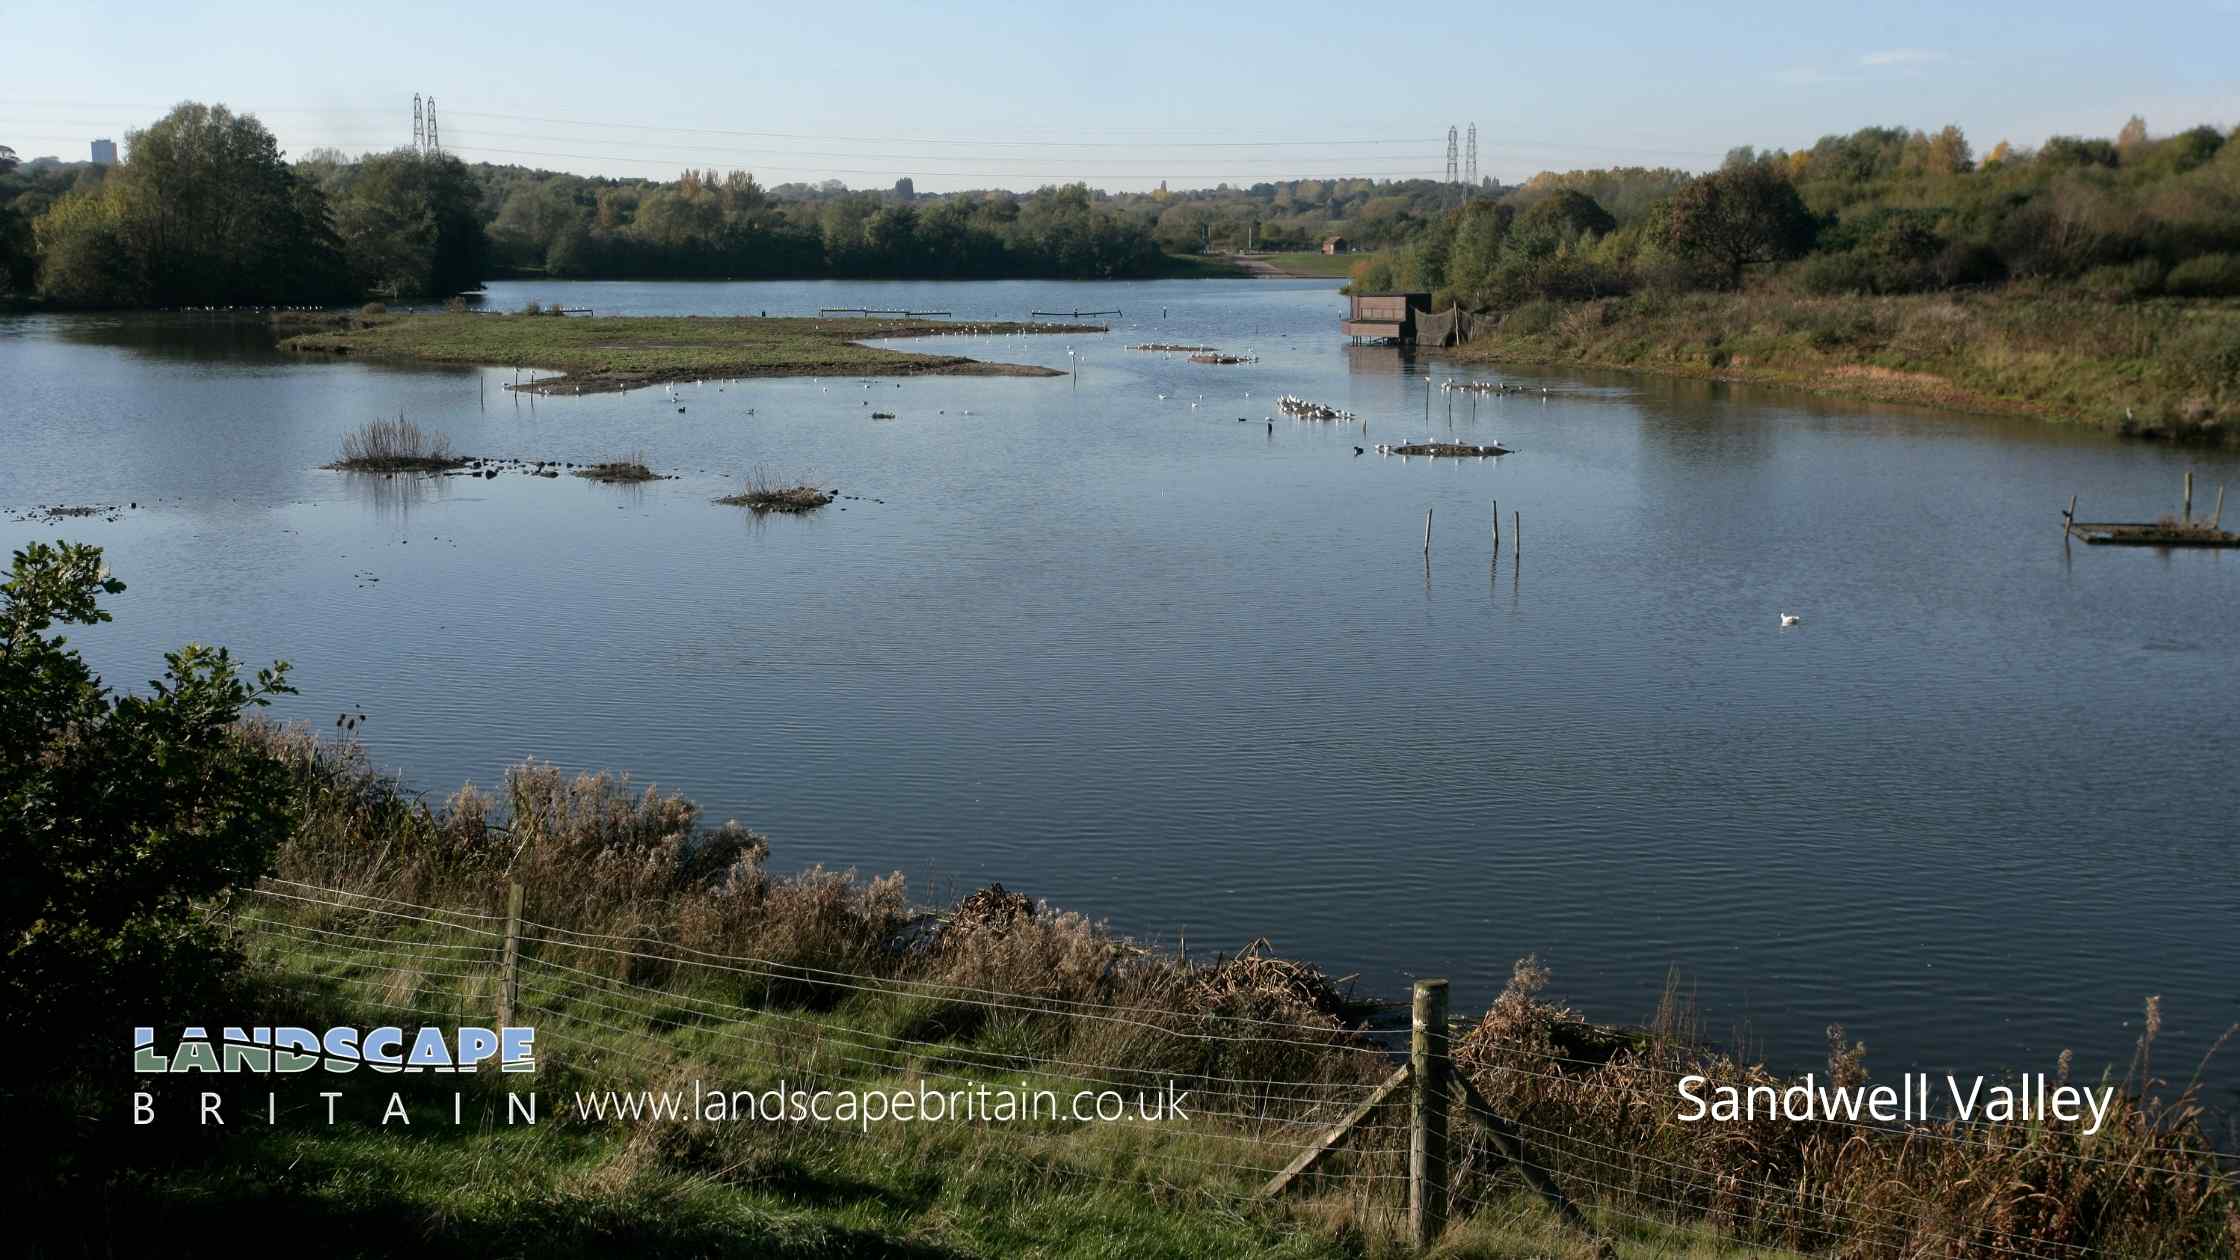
<point>509,972</point>
<point>1428,1073</point>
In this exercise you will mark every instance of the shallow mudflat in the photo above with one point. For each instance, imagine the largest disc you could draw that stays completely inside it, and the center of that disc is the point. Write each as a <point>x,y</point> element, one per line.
<point>605,354</point>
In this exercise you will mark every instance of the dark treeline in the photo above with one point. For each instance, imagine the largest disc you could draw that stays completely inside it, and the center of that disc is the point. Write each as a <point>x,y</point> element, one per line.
<point>206,210</point>
<point>1882,210</point>
<point>704,224</point>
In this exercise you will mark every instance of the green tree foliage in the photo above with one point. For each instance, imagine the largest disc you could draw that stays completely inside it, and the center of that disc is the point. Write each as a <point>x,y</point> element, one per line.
<point>410,224</point>
<point>1739,216</point>
<point>121,816</point>
<point>706,225</point>
<point>1569,211</point>
<point>203,211</point>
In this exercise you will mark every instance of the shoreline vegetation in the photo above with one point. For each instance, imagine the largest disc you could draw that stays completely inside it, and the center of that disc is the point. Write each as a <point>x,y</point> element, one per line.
<point>2166,370</point>
<point>606,354</point>
<point>838,978</point>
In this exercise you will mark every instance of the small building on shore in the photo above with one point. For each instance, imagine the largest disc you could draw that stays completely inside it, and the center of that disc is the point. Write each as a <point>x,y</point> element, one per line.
<point>1334,245</point>
<point>1384,316</point>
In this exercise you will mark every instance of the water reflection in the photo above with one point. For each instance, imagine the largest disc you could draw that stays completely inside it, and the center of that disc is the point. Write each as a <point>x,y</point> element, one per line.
<point>392,497</point>
<point>1145,660</point>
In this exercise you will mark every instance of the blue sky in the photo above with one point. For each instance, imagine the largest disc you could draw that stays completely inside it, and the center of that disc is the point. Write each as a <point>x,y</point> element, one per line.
<point>1011,94</point>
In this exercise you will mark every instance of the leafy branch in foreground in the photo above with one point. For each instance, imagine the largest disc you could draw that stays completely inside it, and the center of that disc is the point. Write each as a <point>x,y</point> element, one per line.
<point>122,817</point>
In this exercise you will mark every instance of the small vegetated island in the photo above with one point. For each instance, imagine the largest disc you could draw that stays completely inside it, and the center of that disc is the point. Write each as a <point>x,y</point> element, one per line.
<point>613,353</point>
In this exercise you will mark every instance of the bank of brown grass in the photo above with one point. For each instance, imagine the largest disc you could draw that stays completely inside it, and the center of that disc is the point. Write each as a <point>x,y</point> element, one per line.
<point>2161,368</point>
<point>1001,981</point>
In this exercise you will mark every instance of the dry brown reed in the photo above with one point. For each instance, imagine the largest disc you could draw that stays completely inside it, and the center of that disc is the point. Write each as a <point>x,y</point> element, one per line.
<point>396,445</point>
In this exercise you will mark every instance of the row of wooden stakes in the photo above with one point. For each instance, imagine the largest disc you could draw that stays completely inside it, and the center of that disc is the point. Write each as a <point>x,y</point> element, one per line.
<point>1516,533</point>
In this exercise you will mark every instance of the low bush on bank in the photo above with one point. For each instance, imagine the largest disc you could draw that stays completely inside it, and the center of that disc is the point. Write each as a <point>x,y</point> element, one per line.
<point>396,445</point>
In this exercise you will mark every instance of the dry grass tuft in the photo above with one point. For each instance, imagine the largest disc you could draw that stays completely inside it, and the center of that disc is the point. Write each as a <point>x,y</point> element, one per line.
<point>631,467</point>
<point>765,492</point>
<point>396,445</point>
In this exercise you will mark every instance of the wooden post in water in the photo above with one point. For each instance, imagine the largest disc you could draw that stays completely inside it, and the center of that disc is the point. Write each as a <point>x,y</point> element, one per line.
<point>2187,514</point>
<point>1428,1069</point>
<point>509,971</point>
<point>1427,531</point>
<point>1517,529</point>
<point>2218,515</point>
<point>1497,529</point>
<point>2069,518</point>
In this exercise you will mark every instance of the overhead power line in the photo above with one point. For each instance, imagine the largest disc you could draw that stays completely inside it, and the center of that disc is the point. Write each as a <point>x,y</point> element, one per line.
<point>1560,146</point>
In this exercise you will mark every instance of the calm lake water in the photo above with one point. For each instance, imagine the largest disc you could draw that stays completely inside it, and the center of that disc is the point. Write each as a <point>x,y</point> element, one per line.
<point>1196,677</point>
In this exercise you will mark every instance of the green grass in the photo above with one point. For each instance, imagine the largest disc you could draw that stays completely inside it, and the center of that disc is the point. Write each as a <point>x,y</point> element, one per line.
<point>2172,365</point>
<point>1313,262</point>
<point>1201,267</point>
<point>625,352</point>
<point>571,1186</point>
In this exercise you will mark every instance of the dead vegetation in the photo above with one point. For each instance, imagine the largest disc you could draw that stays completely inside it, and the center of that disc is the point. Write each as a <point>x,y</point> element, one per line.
<point>393,446</point>
<point>767,492</point>
<point>628,468</point>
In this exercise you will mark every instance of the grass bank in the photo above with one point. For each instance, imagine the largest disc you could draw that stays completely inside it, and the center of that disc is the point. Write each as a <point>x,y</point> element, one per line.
<point>2165,369</point>
<point>609,353</point>
<point>658,951</point>
<point>1312,262</point>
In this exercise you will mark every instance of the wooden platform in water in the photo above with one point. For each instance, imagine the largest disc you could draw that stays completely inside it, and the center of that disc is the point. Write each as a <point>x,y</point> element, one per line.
<point>2152,534</point>
<point>2178,530</point>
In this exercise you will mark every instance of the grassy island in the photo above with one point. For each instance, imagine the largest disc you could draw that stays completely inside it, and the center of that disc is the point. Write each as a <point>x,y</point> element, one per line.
<point>765,492</point>
<point>610,353</point>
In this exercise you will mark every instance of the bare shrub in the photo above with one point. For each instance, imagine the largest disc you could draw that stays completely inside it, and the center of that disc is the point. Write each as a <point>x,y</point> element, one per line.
<point>396,445</point>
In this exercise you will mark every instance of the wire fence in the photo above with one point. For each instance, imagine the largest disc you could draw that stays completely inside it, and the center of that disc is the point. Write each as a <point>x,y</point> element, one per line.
<point>1325,1109</point>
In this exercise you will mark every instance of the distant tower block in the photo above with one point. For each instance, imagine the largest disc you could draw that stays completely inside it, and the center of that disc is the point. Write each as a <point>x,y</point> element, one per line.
<point>419,130</point>
<point>104,152</point>
<point>1453,173</point>
<point>1470,163</point>
<point>435,144</point>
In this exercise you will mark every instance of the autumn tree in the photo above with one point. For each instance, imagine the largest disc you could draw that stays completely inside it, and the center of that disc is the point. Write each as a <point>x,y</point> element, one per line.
<point>1737,217</point>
